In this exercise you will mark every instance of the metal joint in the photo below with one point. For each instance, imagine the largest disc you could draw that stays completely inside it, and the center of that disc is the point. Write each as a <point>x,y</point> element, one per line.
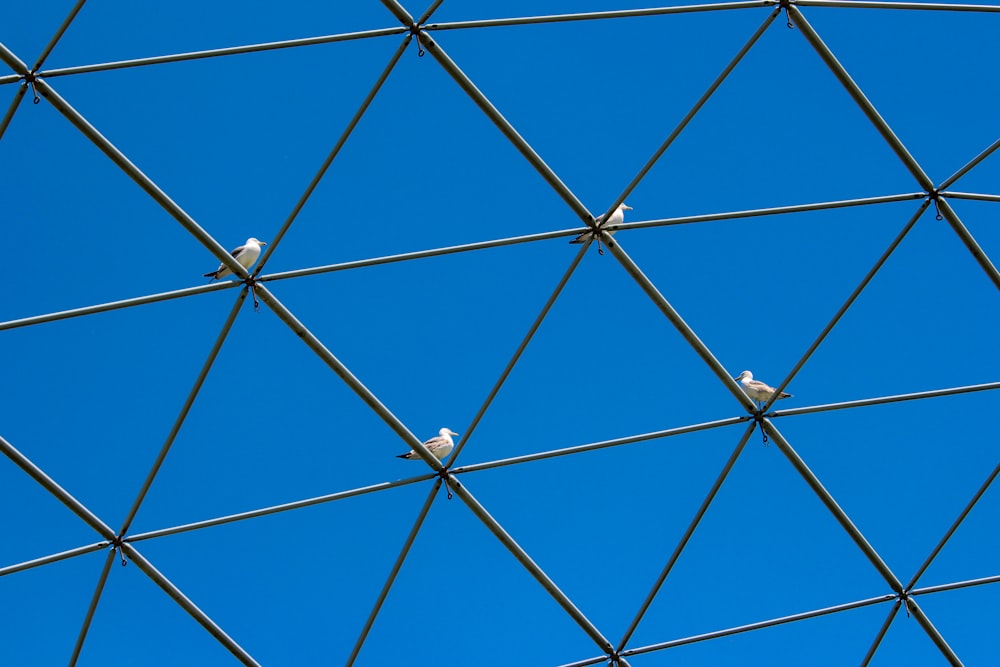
<point>118,544</point>
<point>785,4</point>
<point>415,30</point>
<point>935,197</point>
<point>29,78</point>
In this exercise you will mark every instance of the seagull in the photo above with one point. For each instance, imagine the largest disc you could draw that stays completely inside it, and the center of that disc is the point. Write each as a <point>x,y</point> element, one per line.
<point>616,218</point>
<point>246,255</point>
<point>759,391</point>
<point>440,446</point>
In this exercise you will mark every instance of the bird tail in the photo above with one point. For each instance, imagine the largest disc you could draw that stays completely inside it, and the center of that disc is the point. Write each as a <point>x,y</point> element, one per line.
<point>212,274</point>
<point>581,238</point>
<point>785,394</point>
<point>407,455</point>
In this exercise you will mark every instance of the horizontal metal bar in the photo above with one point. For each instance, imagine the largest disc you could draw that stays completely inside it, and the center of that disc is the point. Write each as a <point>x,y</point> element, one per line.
<point>58,34</point>
<point>932,632</point>
<point>92,608</point>
<point>275,509</point>
<point>596,16</point>
<point>10,78</point>
<point>116,305</point>
<point>599,445</point>
<point>969,165</point>
<point>54,558</point>
<point>215,53</point>
<point>791,412</point>
<point>187,605</point>
<point>759,625</point>
<point>599,660</point>
<point>926,590</point>
<point>929,6</point>
<point>970,195</point>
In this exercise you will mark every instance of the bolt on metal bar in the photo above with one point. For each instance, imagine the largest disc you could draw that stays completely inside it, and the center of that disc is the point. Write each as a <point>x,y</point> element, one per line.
<point>831,504</point>
<point>881,633</point>
<point>593,16</point>
<point>978,253</point>
<point>276,239</point>
<point>185,409</point>
<point>954,526</point>
<point>143,181</point>
<point>970,195</point>
<point>52,487</point>
<point>187,605</point>
<point>694,110</point>
<point>810,409</point>
<point>759,625</point>
<point>116,305</point>
<point>679,323</point>
<point>866,4</point>
<point>54,558</point>
<point>391,579</point>
<point>59,33</point>
<point>847,304</point>
<point>682,544</point>
<point>948,182</point>
<point>14,104</point>
<point>429,11</point>
<point>940,588</point>
<point>354,383</point>
<point>276,509</point>
<point>932,632</point>
<point>859,98</point>
<point>518,352</point>
<point>228,51</point>
<point>704,426</point>
<point>522,556</point>
<point>92,608</point>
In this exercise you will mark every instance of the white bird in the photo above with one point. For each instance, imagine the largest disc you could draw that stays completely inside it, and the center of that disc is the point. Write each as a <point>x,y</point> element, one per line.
<point>246,255</point>
<point>617,217</point>
<point>757,390</point>
<point>440,446</point>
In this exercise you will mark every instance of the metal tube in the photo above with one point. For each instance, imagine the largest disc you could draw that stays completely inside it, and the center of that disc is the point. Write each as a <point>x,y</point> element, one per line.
<point>54,558</point>
<point>932,632</point>
<point>954,526</point>
<point>832,505</point>
<point>948,182</point>
<point>397,10</point>
<point>956,224</point>
<point>522,556</point>
<point>866,4</point>
<point>704,426</point>
<point>884,399</point>
<point>185,409</point>
<point>956,585</point>
<point>599,660</point>
<point>59,33</point>
<point>187,605</point>
<point>391,579</point>
<point>228,51</point>
<point>12,61</point>
<point>276,239</point>
<point>685,537</point>
<point>881,634</point>
<point>10,78</point>
<point>89,617</point>
<point>679,323</point>
<point>275,509</point>
<point>970,195</point>
<point>14,104</point>
<point>429,11</point>
<point>518,352</point>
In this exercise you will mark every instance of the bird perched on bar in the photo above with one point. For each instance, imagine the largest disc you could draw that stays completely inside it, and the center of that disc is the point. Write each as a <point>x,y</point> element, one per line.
<point>246,255</point>
<point>617,217</point>
<point>759,392</point>
<point>440,446</point>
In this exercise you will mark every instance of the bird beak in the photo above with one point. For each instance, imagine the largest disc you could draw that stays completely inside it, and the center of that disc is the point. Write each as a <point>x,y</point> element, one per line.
<point>628,208</point>
<point>261,242</point>
<point>736,379</point>
<point>452,433</point>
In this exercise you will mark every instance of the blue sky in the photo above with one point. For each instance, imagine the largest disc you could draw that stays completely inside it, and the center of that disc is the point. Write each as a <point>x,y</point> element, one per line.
<point>235,141</point>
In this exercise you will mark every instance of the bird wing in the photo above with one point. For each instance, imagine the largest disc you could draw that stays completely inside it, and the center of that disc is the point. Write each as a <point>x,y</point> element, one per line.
<point>238,251</point>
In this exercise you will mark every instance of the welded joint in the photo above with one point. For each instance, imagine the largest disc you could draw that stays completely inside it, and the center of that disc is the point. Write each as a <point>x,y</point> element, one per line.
<point>934,196</point>
<point>30,79</point>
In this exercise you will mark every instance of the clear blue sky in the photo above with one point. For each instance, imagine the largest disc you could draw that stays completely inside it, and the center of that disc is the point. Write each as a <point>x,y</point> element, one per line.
<point>235,141</point>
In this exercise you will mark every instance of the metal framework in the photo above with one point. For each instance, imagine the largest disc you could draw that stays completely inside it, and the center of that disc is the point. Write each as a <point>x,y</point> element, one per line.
<point>459,478</point>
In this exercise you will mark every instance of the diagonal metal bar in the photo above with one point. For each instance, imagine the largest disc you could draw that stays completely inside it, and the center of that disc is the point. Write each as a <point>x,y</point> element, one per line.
<point>276,239</point>
<point>932,632</point>
<point>881,633</point>
<point>832,505</point>
<point>276,509</point>
<point>525,560</point>
<point>391,579</point>
<point>847,304</point>
<point>955,585</point>
<point>954,526</point>
<point>89,617</point>
<point>809,409</point>
<point>185,409</point>
<point>694,110</point>
<point>37,474</point>
<point>14,104</point>
<point>678,322</point>
<point>429,11</point>
<point>599,660</point>
<point>704,426</point>
<point>215,53</point>
<point>187,605</point>
<point>686,537</point>
<point>956,224</point>
<point>518,352</point>
<point>930,6</point>
<point>948,182</point>
<point>859,98</point>
<point>12,61</point>
<point>116,305</point>
<point>354,383</point>
<point>975,196</point>
<point>143,181</point>
<point>759,625</point>
<point>54,558</point>
<point>59,33</point>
